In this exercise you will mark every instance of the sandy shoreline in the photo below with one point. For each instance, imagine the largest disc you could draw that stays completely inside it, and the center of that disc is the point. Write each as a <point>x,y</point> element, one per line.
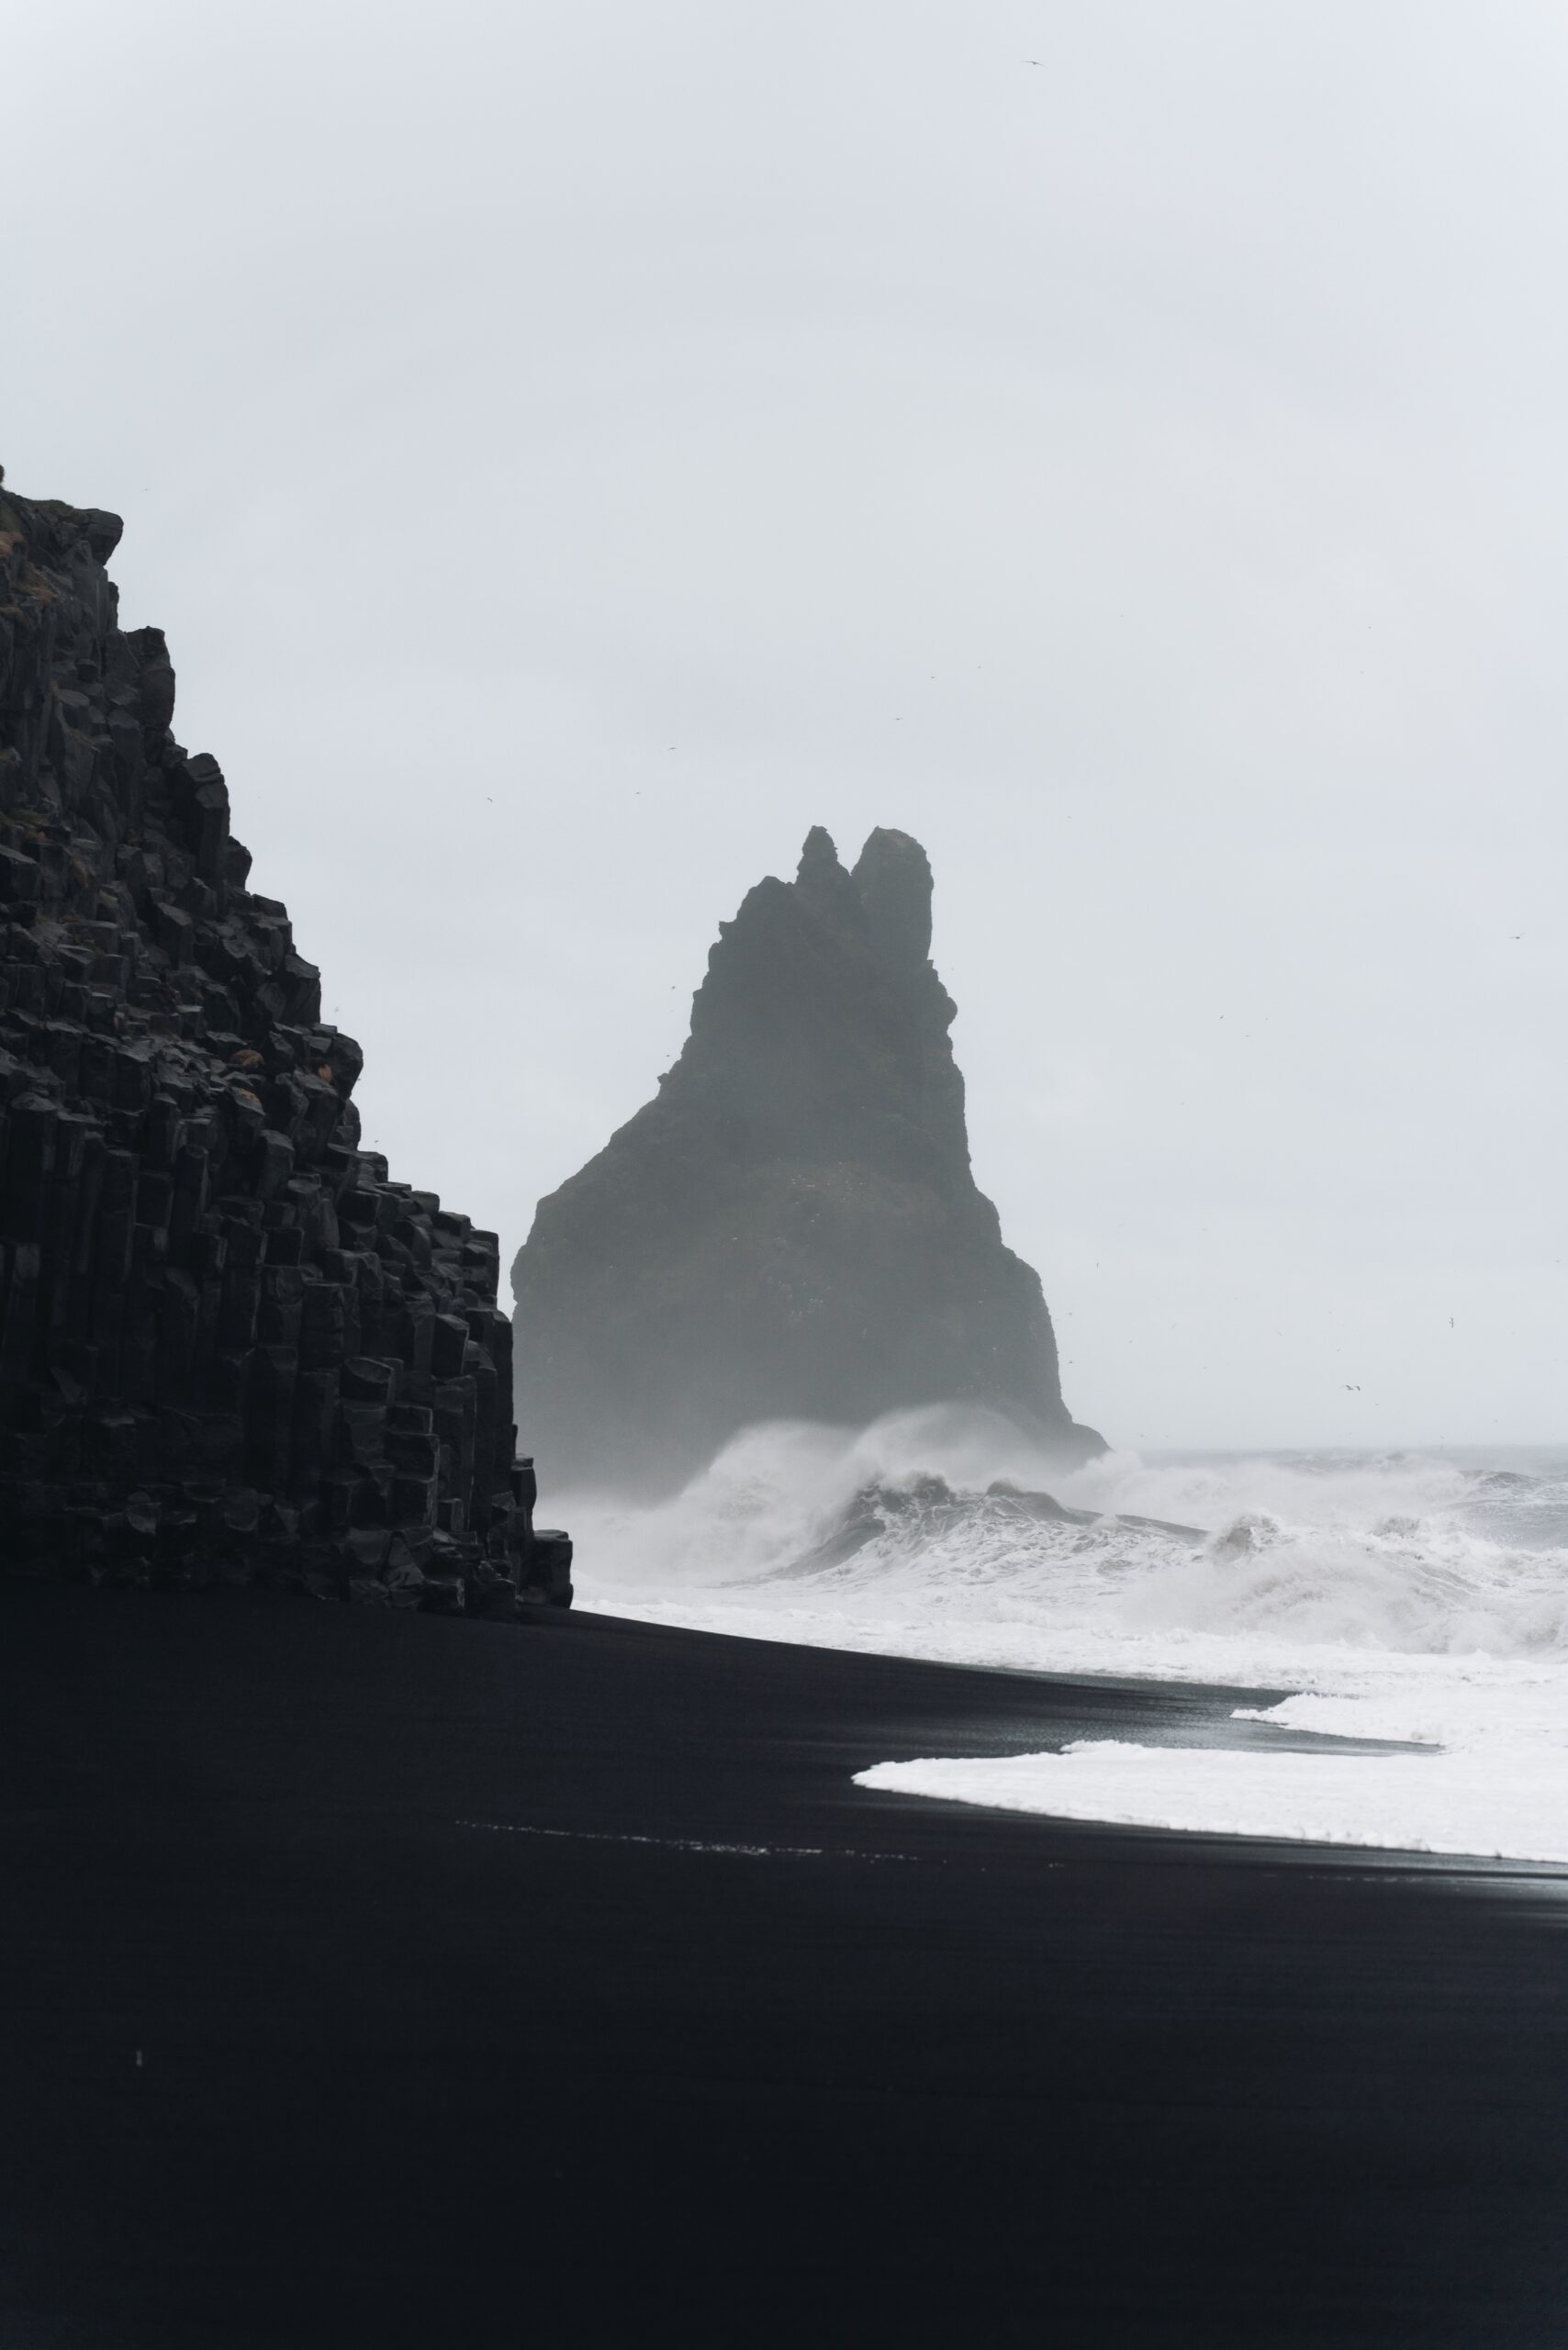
<point>487,1981</point>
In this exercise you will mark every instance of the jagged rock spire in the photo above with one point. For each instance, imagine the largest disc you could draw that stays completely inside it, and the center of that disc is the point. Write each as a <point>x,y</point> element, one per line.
<point>790,1229</point>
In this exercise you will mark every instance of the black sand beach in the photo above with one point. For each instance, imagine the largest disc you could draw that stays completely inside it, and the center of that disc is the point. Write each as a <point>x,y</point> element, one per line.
<point>378,1981</point>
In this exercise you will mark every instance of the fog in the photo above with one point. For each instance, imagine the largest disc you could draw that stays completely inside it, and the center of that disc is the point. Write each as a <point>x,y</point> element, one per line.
<point>575,448</point>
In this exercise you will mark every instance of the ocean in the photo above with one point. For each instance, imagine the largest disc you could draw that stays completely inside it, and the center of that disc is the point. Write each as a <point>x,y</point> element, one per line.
<point>1417,1599</point>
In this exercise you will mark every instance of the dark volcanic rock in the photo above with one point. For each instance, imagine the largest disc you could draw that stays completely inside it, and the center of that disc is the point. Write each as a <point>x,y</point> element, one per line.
<point>791,1229</point>
<point>231,1346</point>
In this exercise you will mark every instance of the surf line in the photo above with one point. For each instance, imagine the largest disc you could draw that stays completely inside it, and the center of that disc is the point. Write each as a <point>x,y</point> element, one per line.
<point>682,1844</point>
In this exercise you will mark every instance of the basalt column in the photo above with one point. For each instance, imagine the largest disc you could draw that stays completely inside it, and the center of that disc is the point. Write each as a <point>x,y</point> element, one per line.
<point>231,1346</point>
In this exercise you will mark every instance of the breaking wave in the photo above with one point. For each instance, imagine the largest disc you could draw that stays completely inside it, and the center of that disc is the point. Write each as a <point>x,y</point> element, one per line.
<point>948,1524</point>
<point>1410,1596</point>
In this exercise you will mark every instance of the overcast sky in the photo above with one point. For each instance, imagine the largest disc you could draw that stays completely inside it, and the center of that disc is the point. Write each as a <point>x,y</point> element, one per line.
<point>573,448</point>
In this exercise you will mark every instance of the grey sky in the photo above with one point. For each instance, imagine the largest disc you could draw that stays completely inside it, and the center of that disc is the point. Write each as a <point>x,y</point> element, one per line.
<point>575,448</point>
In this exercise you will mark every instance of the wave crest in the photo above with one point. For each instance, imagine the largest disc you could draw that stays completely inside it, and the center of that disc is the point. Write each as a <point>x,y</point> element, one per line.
<point>947,1518</point>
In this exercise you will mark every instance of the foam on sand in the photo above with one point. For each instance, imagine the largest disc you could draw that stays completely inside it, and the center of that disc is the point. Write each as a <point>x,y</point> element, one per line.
<point>1500,1800</point>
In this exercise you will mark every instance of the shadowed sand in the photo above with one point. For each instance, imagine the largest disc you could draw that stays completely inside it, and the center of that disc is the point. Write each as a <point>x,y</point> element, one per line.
<point>497,1987</point>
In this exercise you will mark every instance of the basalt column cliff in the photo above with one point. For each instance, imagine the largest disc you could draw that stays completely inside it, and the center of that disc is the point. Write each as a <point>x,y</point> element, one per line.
<point>791,1229</point>
<point>230,1347</point>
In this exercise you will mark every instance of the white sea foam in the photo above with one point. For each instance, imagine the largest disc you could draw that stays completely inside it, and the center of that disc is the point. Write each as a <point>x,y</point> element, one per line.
<point>1413,1597</point>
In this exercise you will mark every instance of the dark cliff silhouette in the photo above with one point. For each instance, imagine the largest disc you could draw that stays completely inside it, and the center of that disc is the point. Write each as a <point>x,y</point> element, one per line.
<point>791,1229</point>
<point>230,1347</point>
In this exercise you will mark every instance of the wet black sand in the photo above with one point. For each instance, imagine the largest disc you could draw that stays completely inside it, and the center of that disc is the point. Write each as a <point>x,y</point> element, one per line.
<point>918,2075</point>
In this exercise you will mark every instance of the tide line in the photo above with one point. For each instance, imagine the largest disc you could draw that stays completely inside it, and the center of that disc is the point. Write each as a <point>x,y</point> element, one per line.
<point>684,1844</point>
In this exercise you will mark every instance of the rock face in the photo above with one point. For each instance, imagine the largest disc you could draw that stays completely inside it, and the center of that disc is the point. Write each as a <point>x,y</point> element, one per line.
<point>791,1229</point>
<point>230,1347</point>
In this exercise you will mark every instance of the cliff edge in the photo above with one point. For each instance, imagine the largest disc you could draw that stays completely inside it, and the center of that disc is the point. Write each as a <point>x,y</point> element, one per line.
<point>791,1229</point>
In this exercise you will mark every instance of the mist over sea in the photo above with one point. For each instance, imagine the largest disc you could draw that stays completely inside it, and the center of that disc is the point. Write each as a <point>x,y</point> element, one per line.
<point>1412,1596</point>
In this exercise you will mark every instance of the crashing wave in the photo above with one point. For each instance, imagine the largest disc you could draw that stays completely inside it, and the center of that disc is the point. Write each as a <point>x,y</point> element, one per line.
<point>935,1533</point>
<point>925,1511</point>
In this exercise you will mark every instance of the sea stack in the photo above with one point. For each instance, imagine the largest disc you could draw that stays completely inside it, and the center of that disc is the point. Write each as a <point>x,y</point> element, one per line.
<point>790,1229</point>
<point>231,1348</point>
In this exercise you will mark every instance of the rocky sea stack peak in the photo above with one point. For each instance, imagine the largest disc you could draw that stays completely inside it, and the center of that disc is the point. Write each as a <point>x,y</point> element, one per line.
<point>232,1347</point>
<point>790,1229</point>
